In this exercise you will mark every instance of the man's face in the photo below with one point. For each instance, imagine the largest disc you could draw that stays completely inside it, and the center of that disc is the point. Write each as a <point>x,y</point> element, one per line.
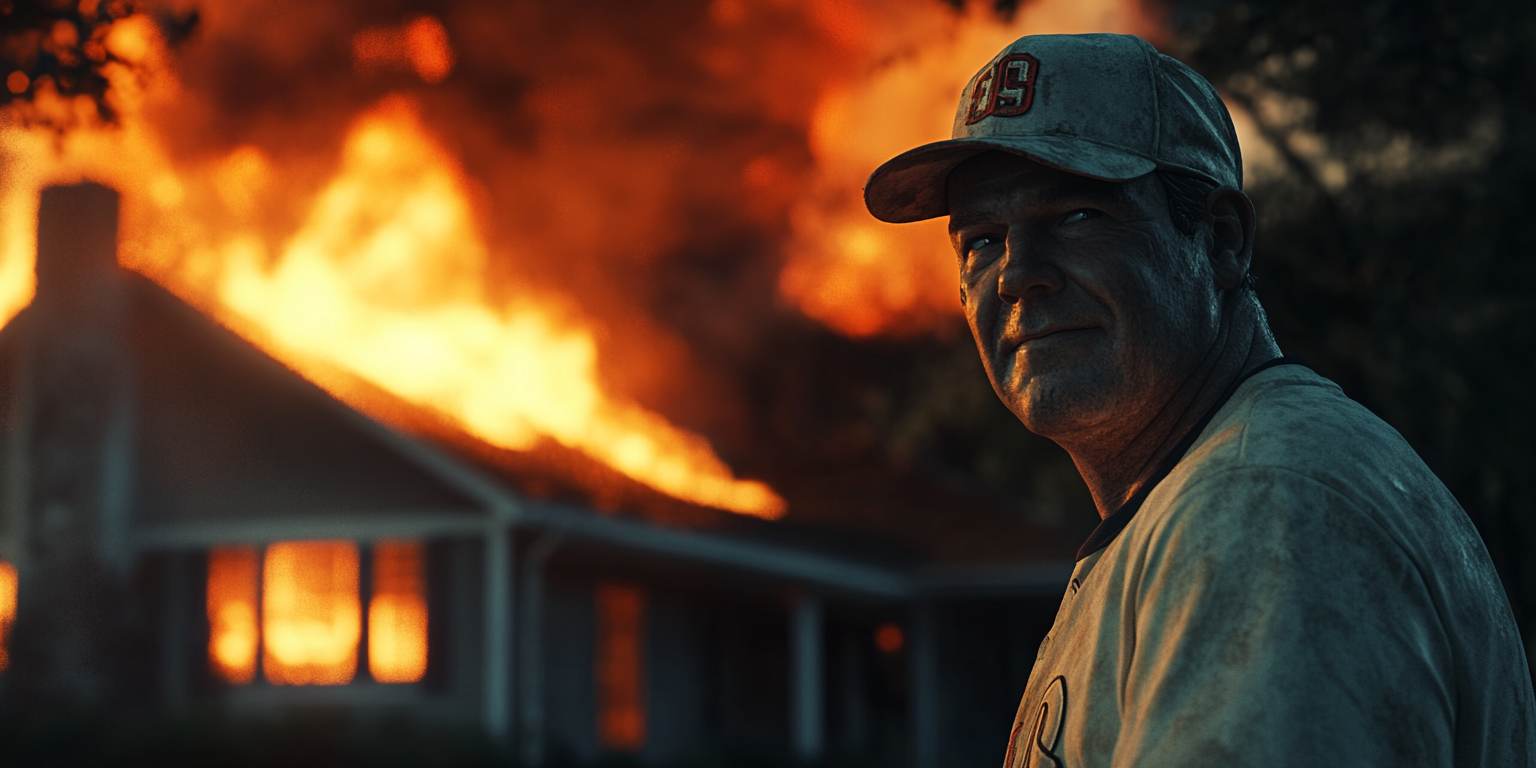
<point>1088,306</point>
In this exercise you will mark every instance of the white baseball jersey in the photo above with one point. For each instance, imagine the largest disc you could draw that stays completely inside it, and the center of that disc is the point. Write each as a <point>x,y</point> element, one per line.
<point>1299,589</point>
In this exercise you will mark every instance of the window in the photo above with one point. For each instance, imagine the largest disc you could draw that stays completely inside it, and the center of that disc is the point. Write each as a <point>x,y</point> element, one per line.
<point>311,617</point>
<point>300,611</point>
<point>232,580</point>
<point>620,622</point>
<point>397,614</point>
<point>7,611</point>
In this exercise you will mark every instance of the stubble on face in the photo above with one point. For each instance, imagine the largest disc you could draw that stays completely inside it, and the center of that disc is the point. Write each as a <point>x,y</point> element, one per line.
<point>1085,303</point>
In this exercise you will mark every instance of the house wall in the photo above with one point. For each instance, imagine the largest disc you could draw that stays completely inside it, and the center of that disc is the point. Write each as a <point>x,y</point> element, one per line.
<point>718,666</point>
<point>716,671</point>
<point>678,689</point>
<point>867,689</point>
<point>173,587</point>
<point>570,707</point>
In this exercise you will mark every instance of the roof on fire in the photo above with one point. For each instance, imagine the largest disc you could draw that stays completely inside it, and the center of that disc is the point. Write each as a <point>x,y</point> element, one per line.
<point>231,441</point>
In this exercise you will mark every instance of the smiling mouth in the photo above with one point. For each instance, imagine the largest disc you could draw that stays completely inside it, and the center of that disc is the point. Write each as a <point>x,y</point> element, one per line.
<point>1055,333</point>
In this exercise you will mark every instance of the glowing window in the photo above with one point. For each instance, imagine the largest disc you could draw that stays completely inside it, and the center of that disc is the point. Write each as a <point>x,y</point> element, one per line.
<point>232,581</point>
<point>620,620</point>
<point>7,611</point>
<point>397,614</point>
<point>311,613</point>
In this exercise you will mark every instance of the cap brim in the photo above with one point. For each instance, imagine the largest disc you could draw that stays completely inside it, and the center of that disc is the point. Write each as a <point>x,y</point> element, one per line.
<point>912,185</point>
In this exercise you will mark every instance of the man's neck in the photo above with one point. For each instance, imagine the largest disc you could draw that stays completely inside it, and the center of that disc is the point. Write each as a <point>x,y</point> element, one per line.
<point>1117,467</point>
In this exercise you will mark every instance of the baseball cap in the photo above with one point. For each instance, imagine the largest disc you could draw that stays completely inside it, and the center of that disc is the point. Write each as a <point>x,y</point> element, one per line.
<point>1105,106</point>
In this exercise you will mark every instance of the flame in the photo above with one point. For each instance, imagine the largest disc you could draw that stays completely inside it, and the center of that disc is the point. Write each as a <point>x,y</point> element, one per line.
<point>397,614</point>
<point>352,240</point>
<point>849,271</point>
<point>8,584</point>
<point>232,636</point>
<point>382,281</point>
<point>384,278</point>
<point>311,614</point>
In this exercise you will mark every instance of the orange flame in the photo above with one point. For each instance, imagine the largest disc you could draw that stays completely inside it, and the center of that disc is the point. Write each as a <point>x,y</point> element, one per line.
<point>384,279</point>
<point>397,614</point>
<point>232,589</point>
<point>311,614</point>
<point>848,270</point>
<point>377,263</point>
<point>8,584</point>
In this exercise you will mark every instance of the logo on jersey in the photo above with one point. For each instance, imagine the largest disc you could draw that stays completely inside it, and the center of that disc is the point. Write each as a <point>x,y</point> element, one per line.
<point>1005,89</point>
<point>1035,747</point>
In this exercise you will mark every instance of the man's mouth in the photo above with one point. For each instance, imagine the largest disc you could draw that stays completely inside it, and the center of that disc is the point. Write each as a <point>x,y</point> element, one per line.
<point>1050,335</point>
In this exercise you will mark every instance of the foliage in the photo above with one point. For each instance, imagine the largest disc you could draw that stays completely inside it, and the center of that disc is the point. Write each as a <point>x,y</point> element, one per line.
<point>61,45</point>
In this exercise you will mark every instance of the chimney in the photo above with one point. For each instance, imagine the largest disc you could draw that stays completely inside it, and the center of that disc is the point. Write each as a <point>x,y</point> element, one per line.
<point>76,241</point>
<point>73,645</point>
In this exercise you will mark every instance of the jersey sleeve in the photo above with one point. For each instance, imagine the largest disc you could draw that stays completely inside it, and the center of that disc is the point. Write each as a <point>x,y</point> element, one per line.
<point>1277,624</point>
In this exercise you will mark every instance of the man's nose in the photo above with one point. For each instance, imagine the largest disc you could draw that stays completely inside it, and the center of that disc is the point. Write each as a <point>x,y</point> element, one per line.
<point>1026,272</point>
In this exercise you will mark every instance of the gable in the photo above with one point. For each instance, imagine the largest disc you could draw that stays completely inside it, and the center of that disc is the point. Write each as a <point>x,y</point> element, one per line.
<point>226,433</point>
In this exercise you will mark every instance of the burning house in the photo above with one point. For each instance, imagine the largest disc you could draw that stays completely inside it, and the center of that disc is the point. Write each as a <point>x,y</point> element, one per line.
<point>323,423</point>
<point>194,522</point>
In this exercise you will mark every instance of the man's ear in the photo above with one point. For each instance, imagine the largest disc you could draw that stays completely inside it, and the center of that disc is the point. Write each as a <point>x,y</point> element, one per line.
<point>1231,221</point>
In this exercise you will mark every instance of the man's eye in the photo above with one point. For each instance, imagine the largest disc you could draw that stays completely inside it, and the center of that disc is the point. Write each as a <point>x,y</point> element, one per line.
<point>1081,215</point>
<point>978,243</point>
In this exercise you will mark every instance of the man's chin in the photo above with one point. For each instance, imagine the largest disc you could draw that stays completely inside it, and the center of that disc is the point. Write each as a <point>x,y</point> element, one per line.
<point>1060,402</point>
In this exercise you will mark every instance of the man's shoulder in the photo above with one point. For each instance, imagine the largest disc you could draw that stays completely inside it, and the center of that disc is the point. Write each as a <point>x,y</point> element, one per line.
<point>1291,461</point>
<point>1292,466</point>
<point>1293,426</point>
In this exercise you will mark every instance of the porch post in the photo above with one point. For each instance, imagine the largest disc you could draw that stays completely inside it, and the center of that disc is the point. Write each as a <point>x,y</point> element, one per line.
<point>497,649</point>
<point>923,707</point>
<point>805,674</point>
<point>530,708</point>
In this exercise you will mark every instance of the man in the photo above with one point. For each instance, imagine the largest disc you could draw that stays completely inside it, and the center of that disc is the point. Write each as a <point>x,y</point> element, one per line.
<point>1278,579</point>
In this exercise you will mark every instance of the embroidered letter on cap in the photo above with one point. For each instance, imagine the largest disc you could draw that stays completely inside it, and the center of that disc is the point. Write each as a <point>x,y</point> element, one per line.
<point>1005,89</point>
<point>981,96</point>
